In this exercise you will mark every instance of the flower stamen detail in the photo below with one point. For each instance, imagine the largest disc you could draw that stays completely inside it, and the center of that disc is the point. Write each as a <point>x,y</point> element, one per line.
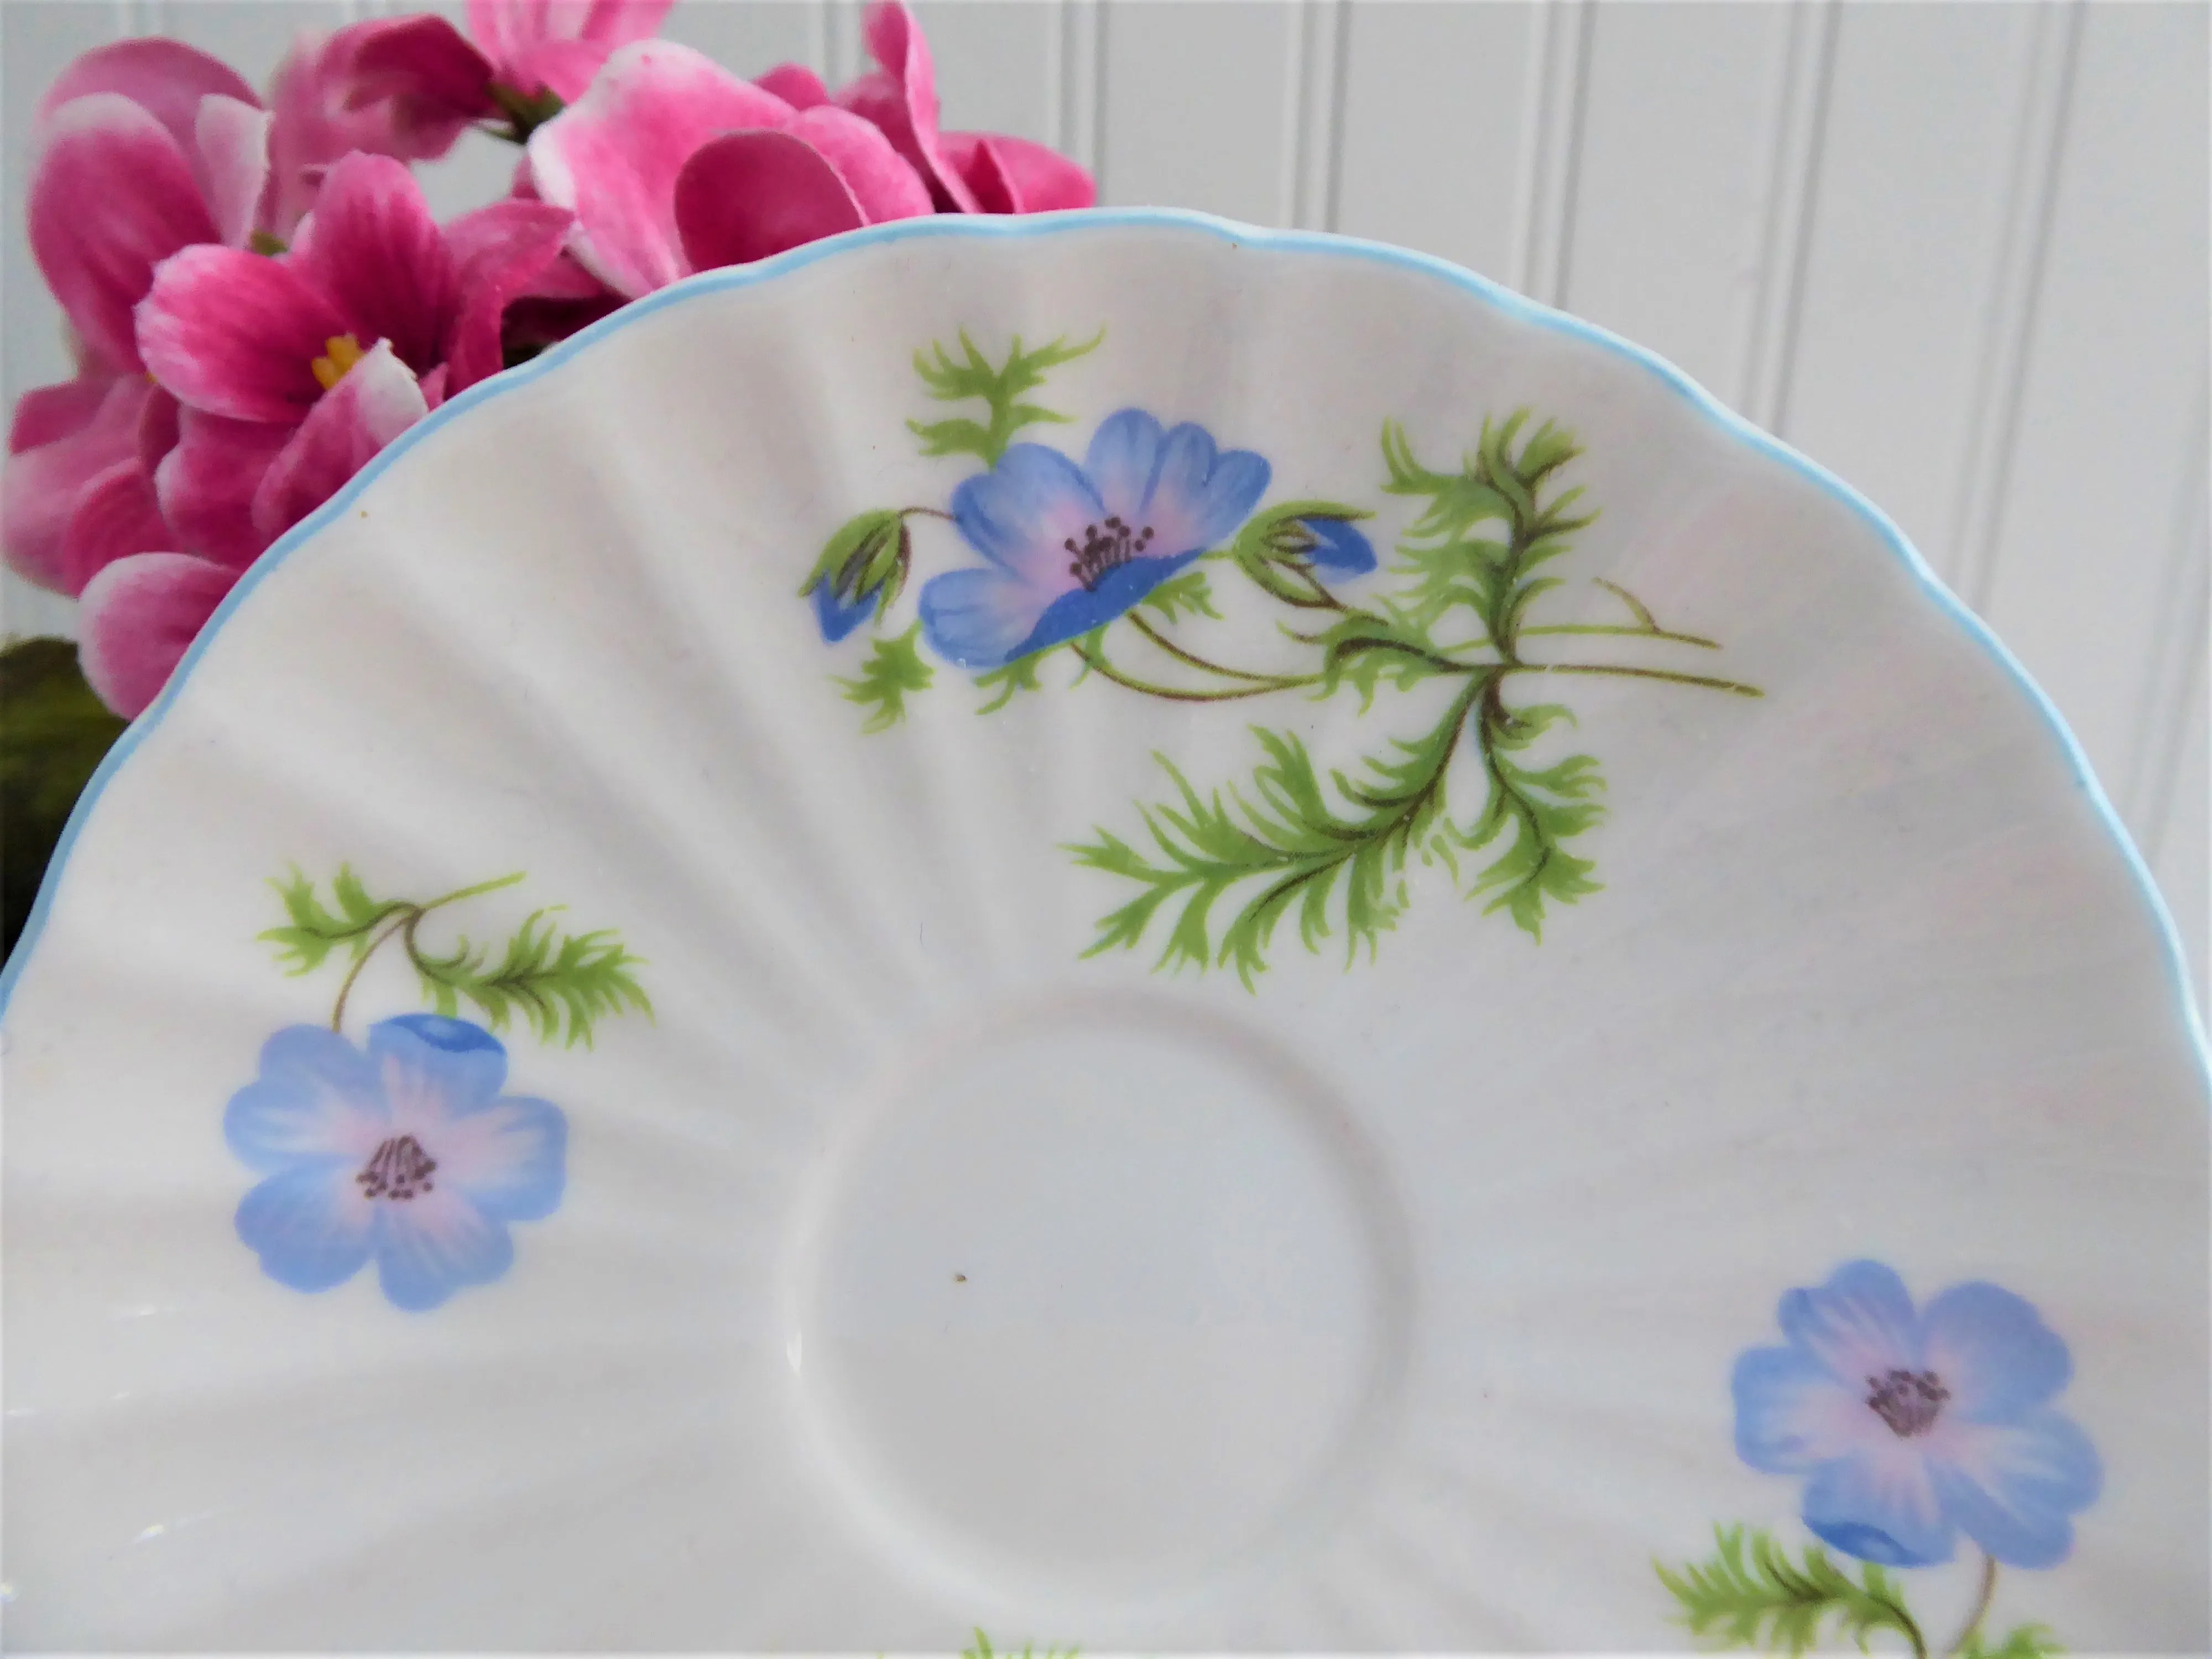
<point>343,352</point>
<point>1909,1401</point>
<point>399,1169</point>
<point>1105,549</point>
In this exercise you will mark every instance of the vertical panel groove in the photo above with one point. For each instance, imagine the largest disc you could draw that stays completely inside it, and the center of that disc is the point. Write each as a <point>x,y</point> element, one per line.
<point>1312,108</point>
<point>1056,119</point>
<point>1289,184</point>
<point>1551,148</point>
<point>817,39</point>
<point>1339,77</point>
<point>1085,64</point>
<point>1800,136</point>
<point>2015,287</point>
<point>842,40</point>
<point>2177,649</point>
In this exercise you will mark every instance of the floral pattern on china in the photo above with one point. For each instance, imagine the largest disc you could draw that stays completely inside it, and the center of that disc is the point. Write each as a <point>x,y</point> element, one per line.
<point>406,1151</point>
<point>1108,565</point>
<point>1913,1429</point>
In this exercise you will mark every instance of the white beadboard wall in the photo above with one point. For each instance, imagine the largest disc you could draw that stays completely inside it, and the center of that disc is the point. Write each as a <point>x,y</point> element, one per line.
<point>1955,251</point>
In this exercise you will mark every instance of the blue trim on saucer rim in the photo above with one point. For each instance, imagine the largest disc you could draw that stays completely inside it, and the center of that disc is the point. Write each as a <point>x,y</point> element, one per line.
<point>1059,224</point>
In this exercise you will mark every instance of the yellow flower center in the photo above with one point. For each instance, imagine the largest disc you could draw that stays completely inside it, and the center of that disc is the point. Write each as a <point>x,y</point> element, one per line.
<point>343,352</point>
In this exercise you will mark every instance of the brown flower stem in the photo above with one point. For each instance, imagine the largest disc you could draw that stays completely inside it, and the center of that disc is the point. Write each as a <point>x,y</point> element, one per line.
<point>1737,687</point>
<point>1973,1628</point>
<point>404,918</point>
<point>1197,662</point>
<point>1098,660</point>
<point>1623,629</point>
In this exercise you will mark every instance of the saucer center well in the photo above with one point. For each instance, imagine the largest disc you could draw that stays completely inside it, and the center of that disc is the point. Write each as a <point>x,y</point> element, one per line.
<point>1101,1300</point>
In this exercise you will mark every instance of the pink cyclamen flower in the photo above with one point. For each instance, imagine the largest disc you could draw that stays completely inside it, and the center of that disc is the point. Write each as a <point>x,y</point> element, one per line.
<point>145,148</point>
<point>235,486</point>
<point>521,58</point>
<point>254,348</point>
<point>966,172</point>
<point>293,371</point>
<point>674,165</point>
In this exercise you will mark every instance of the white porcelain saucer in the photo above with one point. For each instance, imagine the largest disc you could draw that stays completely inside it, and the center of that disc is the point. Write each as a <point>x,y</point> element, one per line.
<point>1142,934</point>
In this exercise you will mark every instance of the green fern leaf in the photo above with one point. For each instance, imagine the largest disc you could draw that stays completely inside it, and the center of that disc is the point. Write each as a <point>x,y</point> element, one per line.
<point>999,387</point>
<point>312,931</point>
<point>1445,565</point>
<point>1333,854</point>
<point>2022,1642</point>
<point>895,667</point>
<point>1011,681</point>
<point>982,1649</point>
<point>1184,595</point>
<point>1752,1593</point>
<point>559,986</point>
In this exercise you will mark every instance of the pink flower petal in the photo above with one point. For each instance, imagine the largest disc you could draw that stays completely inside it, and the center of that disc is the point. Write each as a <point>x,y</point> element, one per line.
<point>970,155</point>
<point>230,156</point>
<point>206,484</point>
<point>901,98</point>
<point>748,195</point>
<point>615,23</point>
<point>47,413</point>
<point>157,428</point>
<point>564,68</point>
<point>501,251</point>
<point>1012,176</point>
<point>237,334</point>
<point>166,78</point>
<point>318,100</point>
<point>66,438</point>
<point>514,32</point>
<point>564,279</point>
<point>425,63</point>
<point>504,29</point>
<point>877,175</point>
<point>113,196</point>
<point>380,257</point>
<point>796,84</point>
<point>116,515</point>
<point>379,399</point>
<point>139,618</point>
<point>613,156</point>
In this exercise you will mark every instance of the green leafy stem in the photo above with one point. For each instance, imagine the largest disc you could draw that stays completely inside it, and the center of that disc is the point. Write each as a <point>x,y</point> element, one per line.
<point>1754,1593</point>
<point>1340,854</point>
<point>559,984</point>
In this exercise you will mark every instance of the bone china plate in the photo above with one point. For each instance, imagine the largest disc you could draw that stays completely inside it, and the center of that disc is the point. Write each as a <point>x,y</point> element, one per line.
<point>1119,930</point>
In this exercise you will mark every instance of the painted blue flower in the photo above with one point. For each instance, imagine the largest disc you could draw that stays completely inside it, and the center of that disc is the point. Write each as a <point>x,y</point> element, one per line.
<point>840,617</point>
<point>405,1151</point>
<point>1070,548</point>
<point>1911,1427</point>
<point>1338,549</point>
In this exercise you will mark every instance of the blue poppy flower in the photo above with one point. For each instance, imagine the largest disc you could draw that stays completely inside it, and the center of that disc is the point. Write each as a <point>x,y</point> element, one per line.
<point>1913,1426</point>
<point>404,1153</point>
<point>1070,548</point>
